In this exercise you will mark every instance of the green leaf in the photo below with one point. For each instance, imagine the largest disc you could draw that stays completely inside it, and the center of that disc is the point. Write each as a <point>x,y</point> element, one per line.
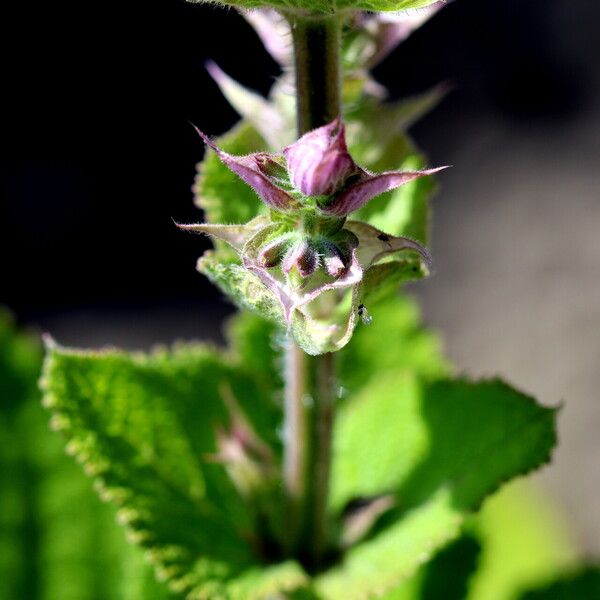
<point>144,427</point>
<point>583,585</point>
<point>323,6</point>
<point>406,344</point>
<point>526,542</point>
<point>56,539</point>
<point>440,447</point>
<point>445,577</point>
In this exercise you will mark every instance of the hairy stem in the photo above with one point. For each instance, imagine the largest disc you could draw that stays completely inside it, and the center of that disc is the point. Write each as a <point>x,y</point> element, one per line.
<point>317,67</point>
<point>296,447</point>
<point>310,394</point>
<point>321,463</point>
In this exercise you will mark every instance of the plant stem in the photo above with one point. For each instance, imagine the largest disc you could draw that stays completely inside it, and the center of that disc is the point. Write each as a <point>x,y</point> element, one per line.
<point>310,394</point>
<point>296,448</point>
<point>317,66</point>
<point>321,463</point>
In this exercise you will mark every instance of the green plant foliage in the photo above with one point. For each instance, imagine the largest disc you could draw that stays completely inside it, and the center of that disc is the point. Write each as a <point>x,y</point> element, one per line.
<point>439,447</point>
<point>57,540</point>
<point>396,320</point>
<point>144,428</point>
<point>379,142</point>
<point>446,576</point>
<point>518,541</point>
<point>144,424</point>
<point>526,542</point>
<point>583,585</point>
<point>320,7</point>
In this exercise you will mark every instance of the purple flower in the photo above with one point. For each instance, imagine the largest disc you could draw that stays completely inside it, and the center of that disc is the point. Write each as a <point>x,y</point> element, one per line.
<point>319,162</point>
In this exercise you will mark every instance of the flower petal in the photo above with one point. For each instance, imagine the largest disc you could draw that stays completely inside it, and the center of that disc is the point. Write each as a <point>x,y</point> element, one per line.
<point>252,170</point>
<point>319,162</point>
<point>360,193</point>
<point>332,258</point>
<point>374,244</point>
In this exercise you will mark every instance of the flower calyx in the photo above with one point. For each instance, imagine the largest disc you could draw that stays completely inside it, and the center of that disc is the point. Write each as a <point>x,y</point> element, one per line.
<point>315,171</point>
<point>297,261</point>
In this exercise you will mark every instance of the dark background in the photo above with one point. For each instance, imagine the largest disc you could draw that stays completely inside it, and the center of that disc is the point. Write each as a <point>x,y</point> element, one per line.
<point>98,155</point>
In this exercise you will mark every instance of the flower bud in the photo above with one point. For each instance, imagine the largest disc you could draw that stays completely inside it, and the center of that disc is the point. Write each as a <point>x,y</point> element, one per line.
<point>319,162</point>
<point>272,252</point>
<point>303,256</point>
<point>333,259</point>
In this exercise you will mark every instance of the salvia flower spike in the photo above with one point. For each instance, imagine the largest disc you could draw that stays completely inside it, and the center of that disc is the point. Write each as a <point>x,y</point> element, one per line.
<point>306,246</point>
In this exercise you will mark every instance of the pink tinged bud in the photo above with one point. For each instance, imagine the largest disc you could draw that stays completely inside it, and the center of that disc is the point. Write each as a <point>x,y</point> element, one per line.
<point>319,162</point>
<point>253,169</point>
<point>271,254</point>
<point>303,256</point>
<point>360,193</point>
<point>333,260</point>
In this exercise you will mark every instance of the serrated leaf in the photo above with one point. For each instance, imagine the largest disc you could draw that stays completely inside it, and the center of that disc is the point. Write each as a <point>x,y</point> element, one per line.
<point>143,427</point>
<point>440,447</point>
<point>242,286</point>
<point>56,539</point>
<point>445,577</point>
<point>323,7</point>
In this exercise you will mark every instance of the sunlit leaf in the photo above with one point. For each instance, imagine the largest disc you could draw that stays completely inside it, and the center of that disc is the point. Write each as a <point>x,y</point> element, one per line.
<point>57,540</point>
<point>144,427</point>
<point>585,585</point>
<point>440,447</point>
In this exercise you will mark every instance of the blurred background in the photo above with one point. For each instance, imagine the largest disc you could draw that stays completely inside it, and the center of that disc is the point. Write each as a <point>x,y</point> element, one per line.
<point>98,158</point>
